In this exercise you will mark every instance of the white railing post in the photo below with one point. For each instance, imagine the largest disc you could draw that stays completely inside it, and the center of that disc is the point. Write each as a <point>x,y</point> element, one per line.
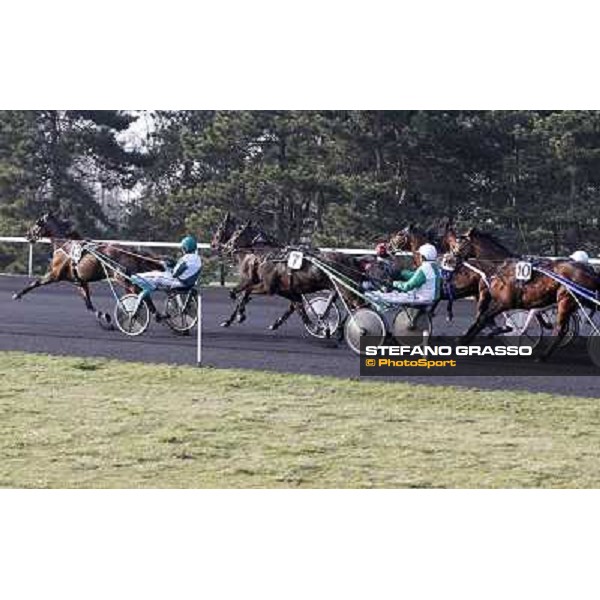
<point>30,262</point>
<point>199,332</point>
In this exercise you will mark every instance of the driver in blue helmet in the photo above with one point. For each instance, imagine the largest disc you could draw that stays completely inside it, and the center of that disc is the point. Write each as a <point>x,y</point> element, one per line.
<point>184,274</point>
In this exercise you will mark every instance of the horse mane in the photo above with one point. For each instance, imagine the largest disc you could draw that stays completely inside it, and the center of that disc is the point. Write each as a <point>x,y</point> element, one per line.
<point>64,227</point>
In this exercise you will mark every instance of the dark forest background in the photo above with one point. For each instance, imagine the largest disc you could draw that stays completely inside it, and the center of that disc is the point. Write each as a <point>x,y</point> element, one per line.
<point>338,178</point>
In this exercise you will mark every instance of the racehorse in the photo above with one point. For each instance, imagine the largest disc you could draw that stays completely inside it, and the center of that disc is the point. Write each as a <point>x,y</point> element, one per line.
<point>267,272</point>
<point>247,245</point>
<point>89,269</point>
<point>459,281</point>
<point>505,292</point>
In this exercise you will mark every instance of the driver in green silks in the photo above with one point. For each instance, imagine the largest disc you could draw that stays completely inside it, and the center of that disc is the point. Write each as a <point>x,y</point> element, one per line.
<point>422,286</point>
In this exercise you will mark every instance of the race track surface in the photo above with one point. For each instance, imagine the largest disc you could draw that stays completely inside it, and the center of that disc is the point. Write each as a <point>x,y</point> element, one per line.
<point>54,320</point>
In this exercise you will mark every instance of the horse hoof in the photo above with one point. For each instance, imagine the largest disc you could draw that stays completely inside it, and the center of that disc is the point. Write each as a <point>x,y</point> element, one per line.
<point>16,297</point>
<point>272,327</point>
<point>241,319</point>
<point>224,324</point>
<point>232,295</point>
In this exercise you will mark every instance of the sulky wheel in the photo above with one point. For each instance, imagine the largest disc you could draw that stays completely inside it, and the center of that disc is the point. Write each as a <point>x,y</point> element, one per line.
<point>593,349</point>
<point>523,328</point>
<point>548,320</point>
<point>323,317</point>
<point>411,326</point>
<point>129,320</point>
<point>361,323</point>
<point>181,311</point>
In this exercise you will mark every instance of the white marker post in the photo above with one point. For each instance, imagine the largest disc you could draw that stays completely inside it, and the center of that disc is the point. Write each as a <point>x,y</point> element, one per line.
<point>30,260</point>
<point>199,332</point>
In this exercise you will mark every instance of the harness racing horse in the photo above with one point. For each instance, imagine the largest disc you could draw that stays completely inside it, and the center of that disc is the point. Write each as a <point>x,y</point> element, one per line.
<point>459,281</point>
<point>505,292</point>
<point>89,269</point>
<point>267,272</point>
<point>247,245</point>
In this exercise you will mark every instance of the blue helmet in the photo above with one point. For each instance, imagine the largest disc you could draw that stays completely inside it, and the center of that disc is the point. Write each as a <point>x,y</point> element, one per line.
<point>189,244</point>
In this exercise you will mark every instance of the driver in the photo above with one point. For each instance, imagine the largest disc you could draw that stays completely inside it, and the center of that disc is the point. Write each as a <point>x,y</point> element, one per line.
<point>580,256</point>
<point>184,274</point>
<point>422,285</point>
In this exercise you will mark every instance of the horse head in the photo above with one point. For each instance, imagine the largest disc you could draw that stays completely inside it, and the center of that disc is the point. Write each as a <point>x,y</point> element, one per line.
<point>240,238</point>
<point>408,239</point>
<point>401,239</point>
<point>224,231</point>
<point>45,226</point>
<point>448,238</point>
<point>463,246</point>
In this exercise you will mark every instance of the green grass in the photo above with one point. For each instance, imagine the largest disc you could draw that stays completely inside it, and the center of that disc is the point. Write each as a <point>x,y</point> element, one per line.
<point>69,422</point>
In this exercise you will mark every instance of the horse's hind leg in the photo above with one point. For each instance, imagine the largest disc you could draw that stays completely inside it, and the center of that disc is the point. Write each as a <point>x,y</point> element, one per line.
<point>45,280</point>
<point>565,308</point>
<point>484,318</point>
<point>103,318</point>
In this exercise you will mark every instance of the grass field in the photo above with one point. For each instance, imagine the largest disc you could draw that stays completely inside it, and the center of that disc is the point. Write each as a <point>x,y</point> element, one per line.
<point>69,422</point>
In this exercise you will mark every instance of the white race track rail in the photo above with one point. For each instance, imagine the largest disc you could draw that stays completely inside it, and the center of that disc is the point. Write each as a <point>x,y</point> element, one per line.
<point>202,246</point>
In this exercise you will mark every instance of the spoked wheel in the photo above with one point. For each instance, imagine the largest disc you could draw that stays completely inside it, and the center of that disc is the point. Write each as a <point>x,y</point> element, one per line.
<point>525,329</point>
<point>129,320</point>
<point>323,317</point>
<point>548,319</point>
<point>593,349</point>
<point>411,326</point>
<point>361,323</point>
<point>181,311</point>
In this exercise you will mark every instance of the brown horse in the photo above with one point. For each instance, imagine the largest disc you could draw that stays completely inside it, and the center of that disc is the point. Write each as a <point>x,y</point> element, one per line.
<point>460,281</point>
<point>266,272</point>
<point>504,292</point>
<point>248,246</point>
<point>89,269</point>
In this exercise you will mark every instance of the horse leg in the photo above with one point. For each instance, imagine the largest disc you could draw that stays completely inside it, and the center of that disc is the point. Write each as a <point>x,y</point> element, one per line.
<point>284,317</point>
<point>565,308</point>
<point>433,307</point>
<point>240,287</point>
<point>45,280</point>
<point>483,319</point>
<point>84,290</point>
<point>242,305</point>
<point>483,303</point>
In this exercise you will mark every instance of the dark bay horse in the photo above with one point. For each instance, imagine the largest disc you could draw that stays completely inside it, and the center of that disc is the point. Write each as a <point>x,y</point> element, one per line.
<point>461,282</point>
<point>505,292</point>
<point>264,270</point>
<point>248,246</point>
<point>89,269</point>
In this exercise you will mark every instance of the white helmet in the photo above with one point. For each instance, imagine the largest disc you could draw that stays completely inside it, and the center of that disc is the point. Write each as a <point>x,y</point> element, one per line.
<point>580,256</point>
<point>428,251</point>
